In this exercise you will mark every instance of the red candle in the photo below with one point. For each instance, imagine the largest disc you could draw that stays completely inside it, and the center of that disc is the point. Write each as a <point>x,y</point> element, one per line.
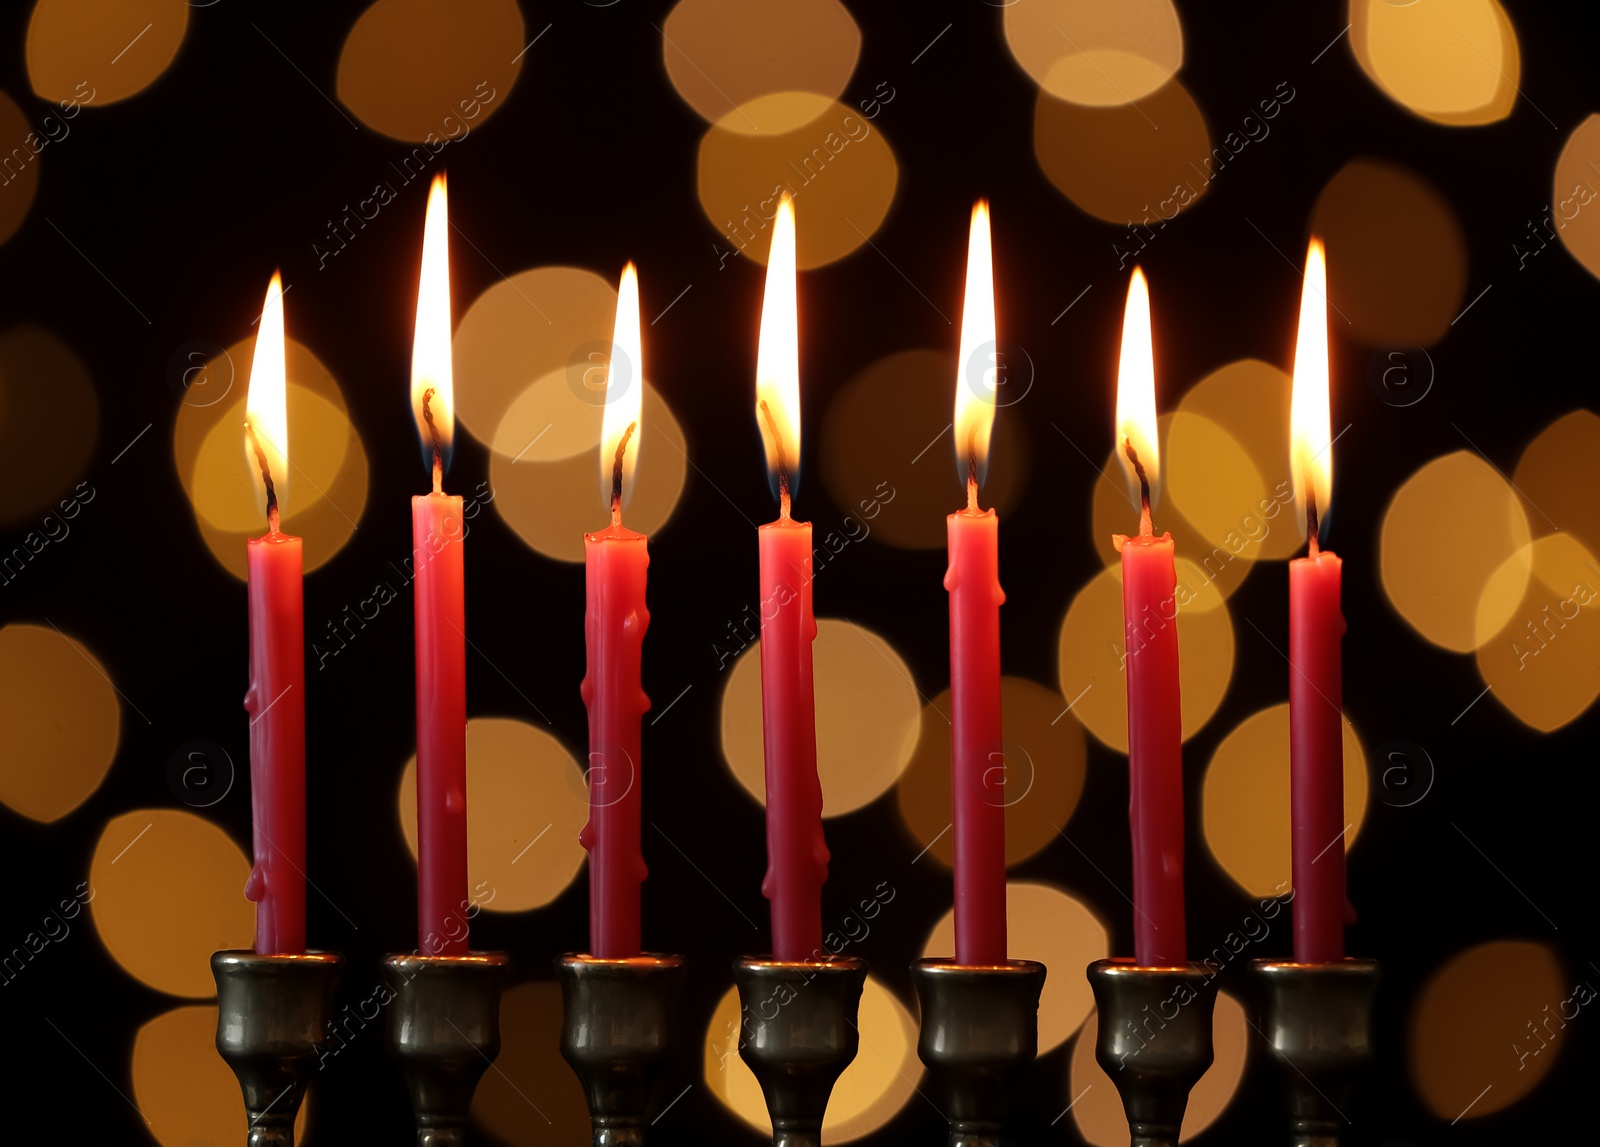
<point>276,699</point>
<point>797,856</point>
<point>615,561</point>
<point>437,531</point>
<point>977,750</point>
<point>1149,613</point>
<point>1316,626</point>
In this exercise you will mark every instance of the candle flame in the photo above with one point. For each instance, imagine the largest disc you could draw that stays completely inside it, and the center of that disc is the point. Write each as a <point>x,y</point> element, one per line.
<point>619,433</point>
<point>1136,392</point>
<point>266,400</point>
<point>1310,421</point>
<point>778,359</point>
<point>979,367</point>
<point>432,387</point>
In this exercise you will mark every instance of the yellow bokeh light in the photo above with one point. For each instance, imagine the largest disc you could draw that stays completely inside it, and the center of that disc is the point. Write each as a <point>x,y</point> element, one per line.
<point>1098,1109</point>
<point>526,805</point>
<point>1244,800</point>
<point>720,54</point>
<point>1090,653</point>
<point>1574,187</point>
<point>531,1098</point>
<point>1451,61</point>
<point>22,178</point>
<point>1096,52</point>
<point>1046,759</point>
<point>876,1085</point>
<point>168,891</point>
<point>62,722</point>
<point>835,163</point>
<point>100,51</point>
<point>1058,930</point>
<point>49,423</point>
<point>1557,476</point>
<point>1488,1026</point>
<point>1446,536</point>
<point>431,71</point>
<point>868,717</point>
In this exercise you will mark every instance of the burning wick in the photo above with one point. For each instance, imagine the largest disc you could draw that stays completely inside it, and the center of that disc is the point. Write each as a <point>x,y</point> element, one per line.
<point>616,475</point>
<point>266,478</point>
<point>783,463</point>
<point>972,475</point>
<point>1311,521</point>
<point>433,433</point>
<point>1145,528</point>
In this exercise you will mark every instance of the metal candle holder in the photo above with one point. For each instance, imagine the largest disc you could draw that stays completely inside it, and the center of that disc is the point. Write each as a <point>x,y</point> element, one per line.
<point>444,1029</point>
<point>979,1036</point>
<point>620,1020</point>
<point>1318,1018</point>
<point>798,1035</point>
<point>273,1013</point>
<point>1155,1041</point>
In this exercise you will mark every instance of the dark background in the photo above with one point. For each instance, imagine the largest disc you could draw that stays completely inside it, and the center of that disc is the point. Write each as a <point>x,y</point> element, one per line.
<point>191,193</point>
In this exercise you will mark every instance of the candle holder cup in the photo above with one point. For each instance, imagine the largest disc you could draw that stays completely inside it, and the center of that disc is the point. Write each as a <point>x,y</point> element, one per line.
<point>444,1030</point>
<point>620,1021</point>
<point>273,1015</point>
<point>1318,1018</point>
<point>979,1034</point>
<point>1154,1041</point>
<point>798,1034</point>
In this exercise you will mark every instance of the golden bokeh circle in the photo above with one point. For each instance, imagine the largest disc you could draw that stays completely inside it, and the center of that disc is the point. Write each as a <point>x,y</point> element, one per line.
<point>168,891</point>
<point>431,71</point>
<point>1450,61</point>
<point>1098,1109</point>
<point>1058,930</point>
<point>100,51</point>
<point>723,53</point>
<point>1046,761</point>
<point>22,182</point>
<point>1481,1028</point>
<point>868,717</point>
<point>531,1098</point>
<point>888,457</point>
<point>877,1084</point>
<point>49,424</point>
<point>326,491</point>
<point>1557,476</point>
<point>1127,164</point>
<point>1574,188</point>
<point>1100,53</point>
<point>525,809</point>
<point>834,162</point>
<point>1446,537</point>
<point>1089,654</point>
<point>1244,800</point>
<point>61,719</point>
<point>187,1094</point>
<point>1397,256</point>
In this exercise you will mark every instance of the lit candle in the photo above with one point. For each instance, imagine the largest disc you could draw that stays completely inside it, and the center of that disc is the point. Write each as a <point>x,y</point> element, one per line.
<point>1149,612</point>
<point>1316,626</point>
<point>977,754</point>
<point>276,699</point>
<point>437,531</point>
<point>797,856</point>
<point>615,561</point>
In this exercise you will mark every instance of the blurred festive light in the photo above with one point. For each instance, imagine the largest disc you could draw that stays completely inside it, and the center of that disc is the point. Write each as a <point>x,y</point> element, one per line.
<point>97,52</point>
<point>1096,52</point>
<point>21,174</point>
<point>166,890</point>
<point>1447,538</point>
<point>1488,1026</point>
<point>531,1098</point>
<point>61,718</point>
<point>868,713</point>
<point>720,54</point>
<point>1573,188</point>
<point>1058,930</point>
<point>1557,476</point>
<point>1397,257</point>
<point>49,423</point>
<point>798,137</point>
<point>430,71</point>
<point>1244,800</point>
<point>1450,61</point>
<point>527,805</point>
<point>1132,165</point>
<point>328,474</point>
<point>1046,759</point>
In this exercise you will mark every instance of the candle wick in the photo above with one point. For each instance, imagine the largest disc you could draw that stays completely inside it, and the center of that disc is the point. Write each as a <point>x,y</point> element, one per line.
<point>783,461</point>
<point>266,478</point>
<point>433,433</point>
<point>616,475</point>
<point>972,491</point>
<point>1146,528</point>
<point>1311,521</point>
